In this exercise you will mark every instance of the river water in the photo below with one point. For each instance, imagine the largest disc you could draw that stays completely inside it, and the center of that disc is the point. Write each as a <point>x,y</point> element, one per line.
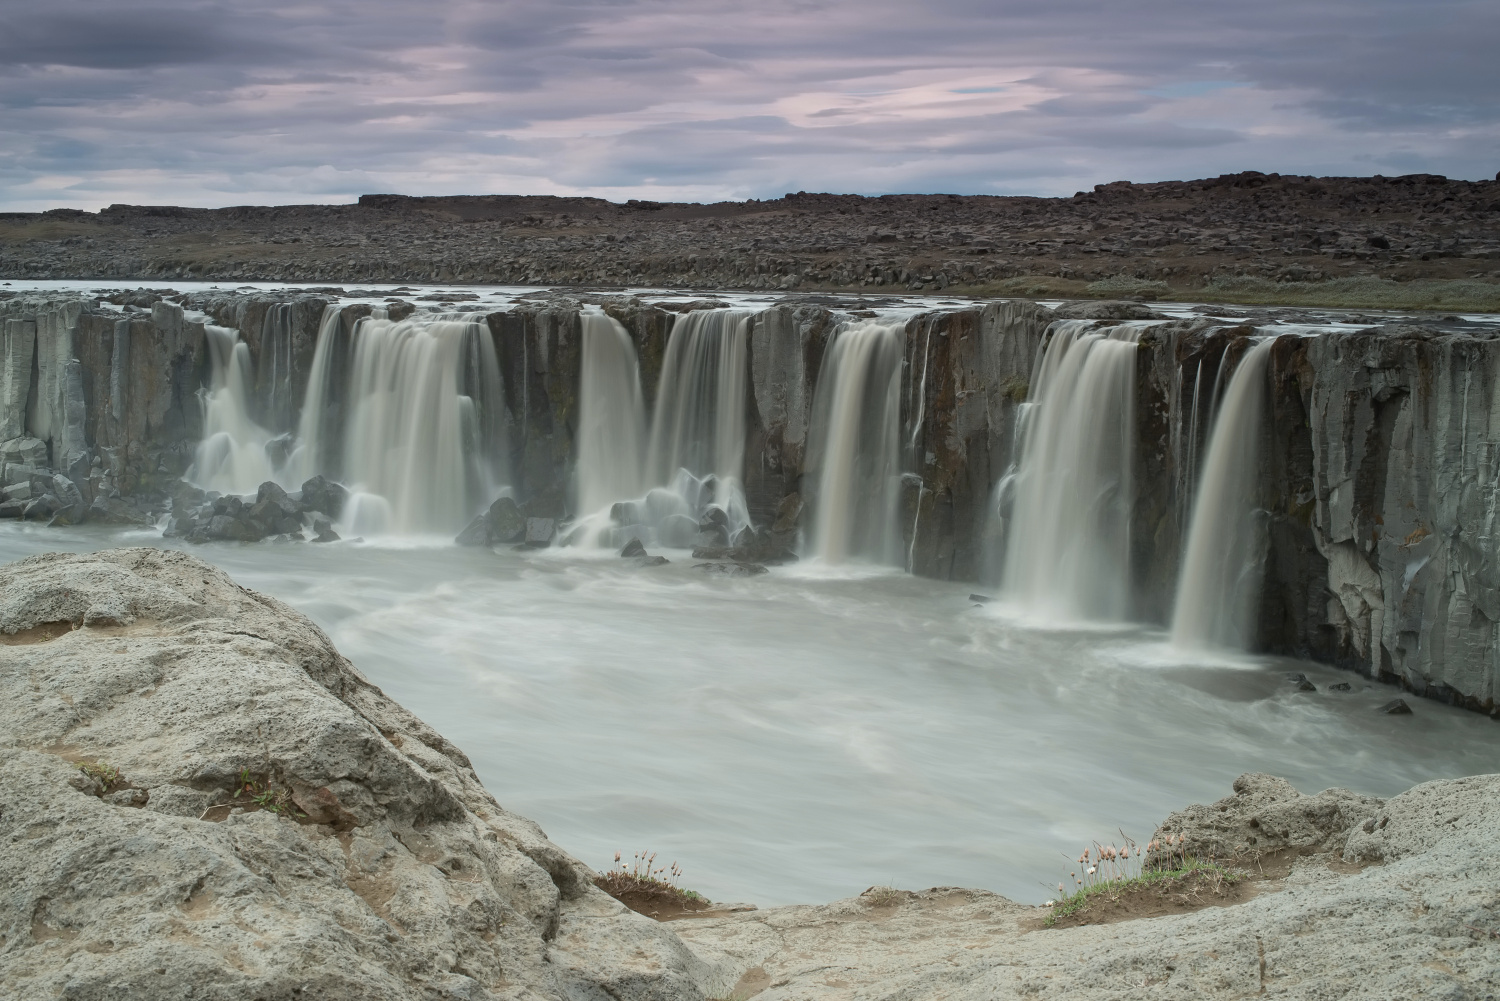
<point>802,735</point>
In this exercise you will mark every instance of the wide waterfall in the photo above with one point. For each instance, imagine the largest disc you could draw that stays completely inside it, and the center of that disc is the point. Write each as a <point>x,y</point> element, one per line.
<point>1221,573</point>
<point>1067,534</point>
<point>854,446</point>
<point>232,457</point>
<point>423,444</point>
<point>611,418</point>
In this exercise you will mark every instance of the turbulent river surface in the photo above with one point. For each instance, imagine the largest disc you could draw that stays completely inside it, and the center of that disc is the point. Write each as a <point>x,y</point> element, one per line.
<point>804,734</point>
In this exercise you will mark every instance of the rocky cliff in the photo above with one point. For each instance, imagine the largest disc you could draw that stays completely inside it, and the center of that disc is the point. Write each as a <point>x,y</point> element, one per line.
<point>1377,474</point>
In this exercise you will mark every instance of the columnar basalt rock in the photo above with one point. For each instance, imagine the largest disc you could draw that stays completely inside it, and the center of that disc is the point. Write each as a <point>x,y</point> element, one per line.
<point>1376,473</point>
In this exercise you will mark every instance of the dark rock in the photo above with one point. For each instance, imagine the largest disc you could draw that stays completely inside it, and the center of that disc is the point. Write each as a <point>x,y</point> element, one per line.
<point>713,552</point>
<point>324,495</point>
<point>323,530</point>
<point>549,504</point>
<point>507,523</point>
<point>1300,683</point>
<point>649,561</point>
<point>788,513</point>
<point>714,517</point>
<point>1379,242</point>
<point>712,537</point>
<point>539,532</point>
<point>981,598</point>
<point>116,511</point>
<point>633,548</point>
<point>1342,686</point>
<point>12,509</point>
<point>1396,707</point>
<point>41,507</point>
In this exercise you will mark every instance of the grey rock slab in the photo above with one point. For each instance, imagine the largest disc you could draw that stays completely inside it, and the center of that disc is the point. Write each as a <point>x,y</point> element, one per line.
<point>404,878</point>
<point>1404,929</point>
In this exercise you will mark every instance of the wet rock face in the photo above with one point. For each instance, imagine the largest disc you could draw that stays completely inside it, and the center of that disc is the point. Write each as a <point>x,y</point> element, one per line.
<point>256,819</point>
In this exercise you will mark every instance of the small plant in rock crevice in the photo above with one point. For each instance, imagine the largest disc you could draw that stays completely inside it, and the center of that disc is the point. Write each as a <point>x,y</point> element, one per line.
<point>640,885</point>
<point>275,800</point>
<point>108,776</point>
<point>1110,871</point>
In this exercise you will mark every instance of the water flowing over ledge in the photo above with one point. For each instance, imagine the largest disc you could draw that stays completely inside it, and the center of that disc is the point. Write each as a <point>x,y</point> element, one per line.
<point>1067,448</point>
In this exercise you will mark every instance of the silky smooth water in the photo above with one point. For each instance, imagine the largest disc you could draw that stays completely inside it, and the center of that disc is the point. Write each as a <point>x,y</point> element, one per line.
<point>802,735</point>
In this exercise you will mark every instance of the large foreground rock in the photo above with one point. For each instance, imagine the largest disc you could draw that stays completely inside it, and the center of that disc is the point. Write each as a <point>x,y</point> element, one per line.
<point>404,879</point>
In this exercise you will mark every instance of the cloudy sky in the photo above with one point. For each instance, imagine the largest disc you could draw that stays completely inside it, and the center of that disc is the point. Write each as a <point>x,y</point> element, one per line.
<point>197,102</point>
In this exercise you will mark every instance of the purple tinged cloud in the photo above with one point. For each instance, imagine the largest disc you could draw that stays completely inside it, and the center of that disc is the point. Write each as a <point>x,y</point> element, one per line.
<point>209,103</point>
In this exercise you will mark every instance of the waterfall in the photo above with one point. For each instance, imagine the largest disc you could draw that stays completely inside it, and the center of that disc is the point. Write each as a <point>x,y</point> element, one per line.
<point>611,417</point>
<point>423,443</point>
<point>680,485</point>
<point>232,456</point>
<point>853,448</point>
<point>1220,580</point>
<point>316,441</point>
<point>274,382</point>
<point>1068,535</point>
<point>699,423</point>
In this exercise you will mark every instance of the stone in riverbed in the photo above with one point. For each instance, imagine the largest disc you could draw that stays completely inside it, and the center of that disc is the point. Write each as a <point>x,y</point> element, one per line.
<point>731,569</point>
<point>1396,707</point>
<point>633,548</point>
<point>539,532</point>
<point>1300,683</point>
<point>324,495</point>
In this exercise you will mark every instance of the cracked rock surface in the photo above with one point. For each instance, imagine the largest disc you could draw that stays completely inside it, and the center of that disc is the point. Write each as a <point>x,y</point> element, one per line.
<point>385,870</point>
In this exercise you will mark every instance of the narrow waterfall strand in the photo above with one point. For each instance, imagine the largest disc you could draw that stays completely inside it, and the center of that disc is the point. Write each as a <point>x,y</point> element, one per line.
<point>611,417</point>
<point>854,448</point>
<point>1220,581</point>
<point>1068,538</point>
<point>232,456</point>
<point>313,450</point>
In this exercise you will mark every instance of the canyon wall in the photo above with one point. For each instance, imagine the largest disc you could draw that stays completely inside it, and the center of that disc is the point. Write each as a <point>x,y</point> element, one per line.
<point>1378,465</point>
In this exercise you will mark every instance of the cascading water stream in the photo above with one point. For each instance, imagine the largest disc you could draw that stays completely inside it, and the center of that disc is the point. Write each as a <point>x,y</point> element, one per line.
<point>698,428</point>
<point>1222,567</point>
<point>611,423</point>
<point>317,443</point>
<point>854,448</point>
<point>1067,553</point>
<point>422,446</point>
<point>232,457</point>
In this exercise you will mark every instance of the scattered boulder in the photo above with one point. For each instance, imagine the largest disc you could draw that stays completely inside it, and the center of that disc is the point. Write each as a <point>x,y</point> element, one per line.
<point>502,523</point>
<point>641,562</point>
<point>1396,707</point>
<point>980,598</point>
<point>539,532</point>
<point>1300,683</point>
<point>323,530</point>
<point>633,548</point>
<point>322,494</point>
<point>475,533</point>
<point>1342,686</point>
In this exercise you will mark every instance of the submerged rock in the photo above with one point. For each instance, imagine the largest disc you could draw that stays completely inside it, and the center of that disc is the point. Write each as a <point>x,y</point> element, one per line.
<point>731,569</point>
<point>258,820</point>
<point>633,548</point>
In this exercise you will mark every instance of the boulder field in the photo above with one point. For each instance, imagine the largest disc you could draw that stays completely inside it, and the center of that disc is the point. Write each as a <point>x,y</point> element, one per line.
<point>200,798</point>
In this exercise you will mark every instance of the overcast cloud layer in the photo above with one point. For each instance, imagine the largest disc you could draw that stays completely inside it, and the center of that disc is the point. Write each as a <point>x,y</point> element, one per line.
<point>207,103</point>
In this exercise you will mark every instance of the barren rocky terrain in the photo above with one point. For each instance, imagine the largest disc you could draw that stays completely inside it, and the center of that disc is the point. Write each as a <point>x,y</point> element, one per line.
<point>1248,236</point>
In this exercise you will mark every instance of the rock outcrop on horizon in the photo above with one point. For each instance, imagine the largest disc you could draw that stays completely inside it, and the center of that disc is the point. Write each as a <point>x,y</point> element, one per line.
<point>201,799</point>
<point>1147,239</point>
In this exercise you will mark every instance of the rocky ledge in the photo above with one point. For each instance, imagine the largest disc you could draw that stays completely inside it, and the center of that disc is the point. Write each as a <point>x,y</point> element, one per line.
<point>200,798</point>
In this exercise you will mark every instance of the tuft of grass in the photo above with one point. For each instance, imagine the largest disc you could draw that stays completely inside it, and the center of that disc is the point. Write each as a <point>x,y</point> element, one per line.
<point>639,885</point>
<point>1150,879</point>
<point>108,776</point>
<point>261,794</point>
